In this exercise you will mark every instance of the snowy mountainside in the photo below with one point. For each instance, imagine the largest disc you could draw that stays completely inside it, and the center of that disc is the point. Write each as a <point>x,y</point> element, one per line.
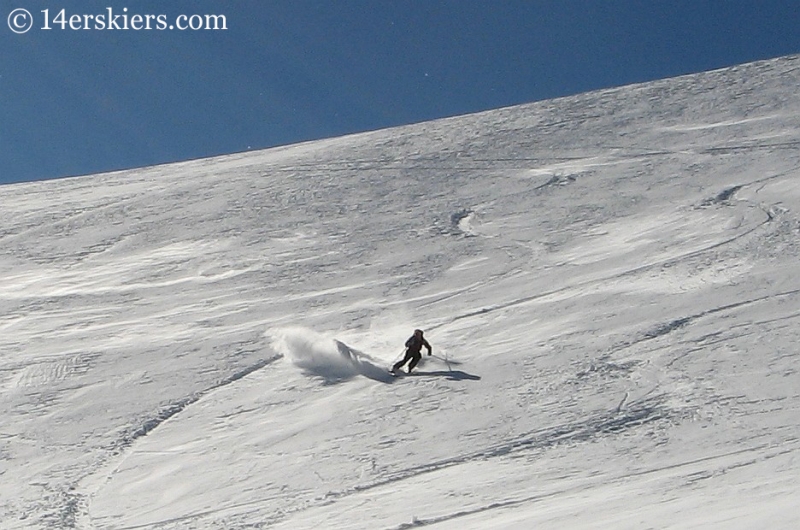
<point>608,281</point>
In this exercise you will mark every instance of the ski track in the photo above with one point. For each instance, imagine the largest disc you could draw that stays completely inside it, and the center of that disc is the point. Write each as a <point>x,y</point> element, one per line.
<point>77,507</point>
<point>577,432</point>
<point>721,198</point>
<point>173,409</point>
<point>751,456</point>
<point>580,286</point>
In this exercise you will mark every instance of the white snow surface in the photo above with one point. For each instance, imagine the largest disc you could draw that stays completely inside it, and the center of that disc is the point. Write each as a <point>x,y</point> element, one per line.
<point>610,283</point>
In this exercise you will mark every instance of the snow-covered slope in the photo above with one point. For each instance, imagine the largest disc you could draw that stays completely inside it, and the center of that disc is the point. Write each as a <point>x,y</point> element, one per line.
<point>609,282</point>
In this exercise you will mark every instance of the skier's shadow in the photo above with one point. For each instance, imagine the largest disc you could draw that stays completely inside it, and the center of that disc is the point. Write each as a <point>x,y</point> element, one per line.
<point>451,375</point>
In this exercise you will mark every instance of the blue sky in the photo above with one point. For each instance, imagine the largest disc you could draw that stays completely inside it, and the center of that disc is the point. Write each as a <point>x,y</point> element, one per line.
<point>82,101</point>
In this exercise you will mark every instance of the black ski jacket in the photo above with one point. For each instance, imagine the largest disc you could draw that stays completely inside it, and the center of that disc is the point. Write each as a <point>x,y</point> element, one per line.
<point>414,344</point>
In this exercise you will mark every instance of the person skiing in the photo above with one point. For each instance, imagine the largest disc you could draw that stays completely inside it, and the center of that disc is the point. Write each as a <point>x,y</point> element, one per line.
<point>413,351</point>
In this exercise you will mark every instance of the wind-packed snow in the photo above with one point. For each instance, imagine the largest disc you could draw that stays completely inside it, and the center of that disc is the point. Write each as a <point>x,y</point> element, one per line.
<point>609,282</point>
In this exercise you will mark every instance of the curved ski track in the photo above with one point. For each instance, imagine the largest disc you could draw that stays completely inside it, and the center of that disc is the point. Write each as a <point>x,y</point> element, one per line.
<point>650,411</point>
<point>76,513</point>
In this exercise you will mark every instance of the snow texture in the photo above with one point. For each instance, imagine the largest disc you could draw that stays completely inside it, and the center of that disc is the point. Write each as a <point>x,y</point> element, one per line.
<point>609,282</point>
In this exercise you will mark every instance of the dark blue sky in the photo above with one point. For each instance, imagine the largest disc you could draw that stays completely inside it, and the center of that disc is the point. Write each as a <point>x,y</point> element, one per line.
<point>83,101</point>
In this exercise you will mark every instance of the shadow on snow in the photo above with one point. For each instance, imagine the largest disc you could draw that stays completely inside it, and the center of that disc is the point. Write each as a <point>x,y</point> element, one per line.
<point>452,375</point>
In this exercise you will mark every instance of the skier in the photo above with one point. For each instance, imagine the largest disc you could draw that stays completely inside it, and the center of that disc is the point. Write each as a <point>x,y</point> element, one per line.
<point>413,351</point>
